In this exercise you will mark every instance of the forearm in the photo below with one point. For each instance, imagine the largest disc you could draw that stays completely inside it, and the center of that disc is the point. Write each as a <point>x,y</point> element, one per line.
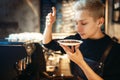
<point>47,35</point>
<point>50,19</point>
<point>90,74</point>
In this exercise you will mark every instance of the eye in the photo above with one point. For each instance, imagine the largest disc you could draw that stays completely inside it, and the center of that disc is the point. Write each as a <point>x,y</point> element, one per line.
<point>83,23</point>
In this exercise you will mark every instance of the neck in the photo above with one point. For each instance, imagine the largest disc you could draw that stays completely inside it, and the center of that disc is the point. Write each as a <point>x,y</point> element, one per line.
<point>98,35</point>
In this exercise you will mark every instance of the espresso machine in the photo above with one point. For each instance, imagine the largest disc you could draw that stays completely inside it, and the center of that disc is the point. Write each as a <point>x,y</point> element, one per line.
<point>21,61</point>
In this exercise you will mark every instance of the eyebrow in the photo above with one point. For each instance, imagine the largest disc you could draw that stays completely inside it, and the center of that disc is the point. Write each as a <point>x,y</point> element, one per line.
<point>80,20</point>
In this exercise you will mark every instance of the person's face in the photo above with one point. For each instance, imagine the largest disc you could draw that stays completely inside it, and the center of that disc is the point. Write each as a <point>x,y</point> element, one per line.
<point>86,26</point>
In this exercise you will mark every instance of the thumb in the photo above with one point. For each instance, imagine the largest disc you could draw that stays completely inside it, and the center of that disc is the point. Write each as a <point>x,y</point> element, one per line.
<point>54,11</point>
<point>77,47</point>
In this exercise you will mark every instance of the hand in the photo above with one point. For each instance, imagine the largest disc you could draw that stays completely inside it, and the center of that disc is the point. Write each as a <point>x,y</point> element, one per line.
<point>51,17</point>
<point>75,56</point>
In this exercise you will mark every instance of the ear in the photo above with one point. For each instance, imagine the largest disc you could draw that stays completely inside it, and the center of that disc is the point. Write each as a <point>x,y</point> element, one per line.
<point>100,21</point>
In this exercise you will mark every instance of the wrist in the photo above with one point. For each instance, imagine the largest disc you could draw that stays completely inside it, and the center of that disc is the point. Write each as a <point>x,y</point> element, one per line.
<point>81,63</point>
<point>48,26</point>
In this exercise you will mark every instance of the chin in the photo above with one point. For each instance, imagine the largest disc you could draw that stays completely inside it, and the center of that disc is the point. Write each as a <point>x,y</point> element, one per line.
<point>83,37</point>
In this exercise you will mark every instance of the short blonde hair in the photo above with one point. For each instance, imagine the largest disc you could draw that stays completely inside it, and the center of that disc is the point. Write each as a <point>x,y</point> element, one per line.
<point>95,7</point>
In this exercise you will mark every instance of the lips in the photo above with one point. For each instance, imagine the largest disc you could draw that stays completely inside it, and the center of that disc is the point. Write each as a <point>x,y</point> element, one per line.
<point>81,34</point>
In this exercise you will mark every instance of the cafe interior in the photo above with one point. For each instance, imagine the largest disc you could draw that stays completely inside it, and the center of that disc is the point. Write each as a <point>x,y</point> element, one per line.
<point>22,23</point>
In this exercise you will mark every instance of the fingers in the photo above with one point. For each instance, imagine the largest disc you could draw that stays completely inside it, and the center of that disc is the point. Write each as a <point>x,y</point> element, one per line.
<point>66,48</point>
<point>73,48</point>
<point>51,17</point>
<point>77,47</point>
<point>48,18</point>
<point>54,11</point>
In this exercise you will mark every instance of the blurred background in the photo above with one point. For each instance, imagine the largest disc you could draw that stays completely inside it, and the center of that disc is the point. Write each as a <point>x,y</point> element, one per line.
<point>18,16</point>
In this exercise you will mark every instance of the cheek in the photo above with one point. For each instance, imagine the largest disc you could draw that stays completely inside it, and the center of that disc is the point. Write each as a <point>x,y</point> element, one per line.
<point>90,29</point>
<point>79,29</point>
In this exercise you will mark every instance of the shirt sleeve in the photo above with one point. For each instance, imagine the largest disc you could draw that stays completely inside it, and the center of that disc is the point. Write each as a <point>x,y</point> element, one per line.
<point>54,45</point>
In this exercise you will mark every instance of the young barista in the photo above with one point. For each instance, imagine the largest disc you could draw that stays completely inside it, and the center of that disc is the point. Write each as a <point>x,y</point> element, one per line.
<point>89,18</point>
